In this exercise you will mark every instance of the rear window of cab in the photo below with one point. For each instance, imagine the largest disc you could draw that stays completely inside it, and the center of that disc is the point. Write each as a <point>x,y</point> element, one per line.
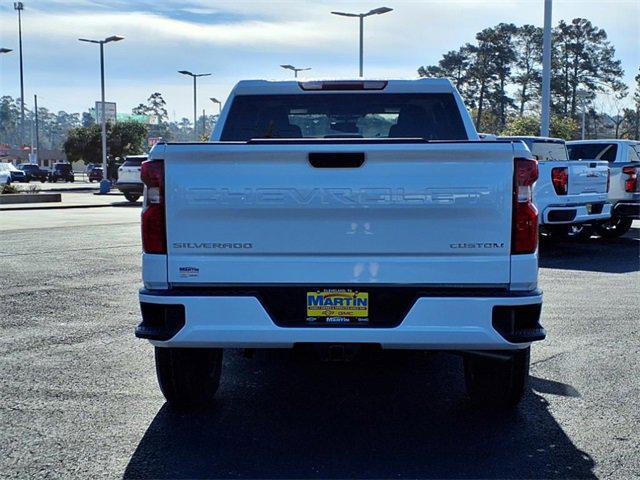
<point>133,162</point>
<point>593,151</point>
<point>433,116</point>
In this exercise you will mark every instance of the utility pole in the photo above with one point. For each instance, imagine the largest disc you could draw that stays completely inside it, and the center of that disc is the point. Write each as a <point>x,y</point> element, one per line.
<point>37,155</point>
<point>546,71</point>
<point>19,6</point>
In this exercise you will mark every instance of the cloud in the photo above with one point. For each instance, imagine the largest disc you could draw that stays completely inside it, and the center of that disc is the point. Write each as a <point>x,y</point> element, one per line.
<point>250,39</point>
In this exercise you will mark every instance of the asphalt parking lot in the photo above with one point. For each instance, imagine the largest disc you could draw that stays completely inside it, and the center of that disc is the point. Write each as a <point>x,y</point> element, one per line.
<point>78,395</point>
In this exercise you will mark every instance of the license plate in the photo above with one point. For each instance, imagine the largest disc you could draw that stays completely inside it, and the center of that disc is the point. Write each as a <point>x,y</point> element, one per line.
<point>338,306</point>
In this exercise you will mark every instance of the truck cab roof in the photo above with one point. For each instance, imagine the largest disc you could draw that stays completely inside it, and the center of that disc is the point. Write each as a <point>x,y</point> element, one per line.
<point>532,138</point>
<point>607,140</point>
<point>349,85</point>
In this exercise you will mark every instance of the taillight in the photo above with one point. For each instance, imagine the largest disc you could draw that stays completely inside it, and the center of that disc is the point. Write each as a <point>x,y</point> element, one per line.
<point>524,235</point>
<point>560,179</point>
<point>154,236</point>
<point>631,183</point>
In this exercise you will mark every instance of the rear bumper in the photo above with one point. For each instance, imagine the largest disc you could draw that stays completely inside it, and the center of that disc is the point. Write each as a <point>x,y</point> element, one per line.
<point>508,320</point>
<point>573,214</point>
<point>130,187</point>
<point>628,208</point>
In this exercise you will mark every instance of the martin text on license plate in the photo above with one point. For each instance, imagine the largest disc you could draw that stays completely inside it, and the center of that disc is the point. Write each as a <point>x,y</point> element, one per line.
<point>337,306</point>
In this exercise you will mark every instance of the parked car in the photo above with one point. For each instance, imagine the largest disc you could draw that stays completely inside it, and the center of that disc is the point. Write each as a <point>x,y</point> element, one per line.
<point>623,157</point>
<point>307,220</point>
<point>12,174</point>
<point>571,197</point>
<point>95,174</point>
<point>129,182</point>
<point>5,173</point>
<point>33,172</point>
<point>61,171</point>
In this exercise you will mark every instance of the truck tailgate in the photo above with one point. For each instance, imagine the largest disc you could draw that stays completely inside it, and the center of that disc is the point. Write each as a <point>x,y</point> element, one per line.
<point>437,213</point>
<point>587,177</point>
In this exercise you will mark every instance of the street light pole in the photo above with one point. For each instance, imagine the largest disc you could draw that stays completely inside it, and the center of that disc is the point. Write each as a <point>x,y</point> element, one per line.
<point>215,100</point>
<point>105,184</point>
<point>361,16</point>
<point>19,6</point>
<point>37,155</point>
<point>195,122</point>
<point>546,71</point>
<point>295,70</point>
<point>582,97</point>
<point>105,167</point>
<point>361,74</point>
<point>195,106</point>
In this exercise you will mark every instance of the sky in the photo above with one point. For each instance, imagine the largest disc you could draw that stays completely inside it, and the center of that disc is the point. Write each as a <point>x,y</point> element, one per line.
<point>244,39</point>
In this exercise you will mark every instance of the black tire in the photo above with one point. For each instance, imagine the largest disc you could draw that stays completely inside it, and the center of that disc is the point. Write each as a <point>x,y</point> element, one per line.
<point>188,377</point>
<point>614,228</point>
<point>132,197</point>
<point>497,383</point>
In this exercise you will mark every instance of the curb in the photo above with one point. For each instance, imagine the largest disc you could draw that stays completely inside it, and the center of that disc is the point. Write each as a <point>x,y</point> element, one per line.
<point>27,198</point>
<point>57,207</point>
<point>78,189</point>
<point>69,207</point>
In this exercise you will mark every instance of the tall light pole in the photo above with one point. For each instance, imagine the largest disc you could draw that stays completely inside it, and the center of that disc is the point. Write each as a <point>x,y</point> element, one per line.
<point>582,97</point>
<point>375,11</point>
<point>195,108</point>
<point>105,184</point>
<point>215,100</point>
<point>35,107</point>
<point>19,6</point>
<point>546,71</point>
<point>295,70</point>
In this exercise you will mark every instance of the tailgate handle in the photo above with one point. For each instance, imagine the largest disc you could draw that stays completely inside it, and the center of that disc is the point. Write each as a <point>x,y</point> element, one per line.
<point>336,160</point>
<point>593,165</point>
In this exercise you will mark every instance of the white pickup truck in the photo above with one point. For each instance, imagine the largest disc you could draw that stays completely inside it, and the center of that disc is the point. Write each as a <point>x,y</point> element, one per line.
<point>341,214</point>
<point>571,197</point>
<point>623,157</point>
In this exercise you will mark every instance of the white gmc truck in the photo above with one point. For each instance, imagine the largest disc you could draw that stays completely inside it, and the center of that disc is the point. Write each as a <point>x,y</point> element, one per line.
<point>341,214</point>
<point>571,197</point>
<point>623,157</point>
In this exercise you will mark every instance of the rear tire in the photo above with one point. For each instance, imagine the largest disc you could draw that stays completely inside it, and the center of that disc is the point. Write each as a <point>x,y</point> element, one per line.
<point>132,197</point>
<point>188,377</point>
<point>496,383</point>
<point>614,228</point>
